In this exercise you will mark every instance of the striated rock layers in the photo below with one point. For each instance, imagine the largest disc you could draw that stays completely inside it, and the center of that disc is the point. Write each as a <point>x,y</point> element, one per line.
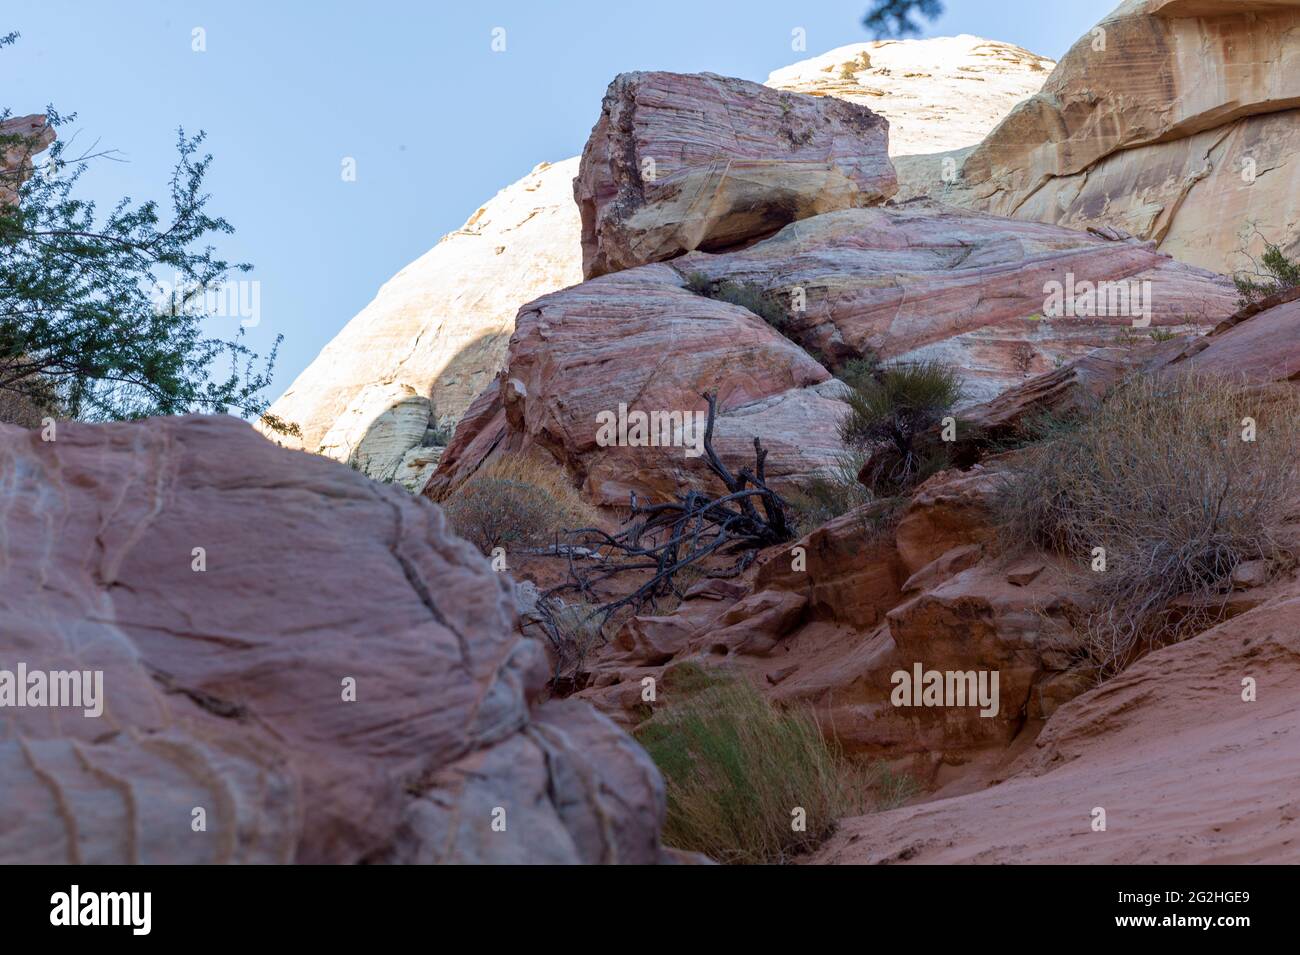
<point>1173,120</point>
<point>901,283</point>
<point>697,161</point>
<point>436,333</point>
<point>212,579</point>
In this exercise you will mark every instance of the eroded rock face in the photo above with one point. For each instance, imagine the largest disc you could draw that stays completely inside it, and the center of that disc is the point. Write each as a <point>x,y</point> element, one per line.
<point>699,161</point>
<point>213,579</point>
<point>923,280</point>
<point>1174,120</point>
<point>15,159</point>
<point>908,283</point>
<point>832,619</point>
<point>641,340</point>
<point>438,329</point>
<point>1163,748</point>
<point>938,94</point>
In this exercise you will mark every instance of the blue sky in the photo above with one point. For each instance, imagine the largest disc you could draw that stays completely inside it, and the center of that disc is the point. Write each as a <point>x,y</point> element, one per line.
<point>436,121</point>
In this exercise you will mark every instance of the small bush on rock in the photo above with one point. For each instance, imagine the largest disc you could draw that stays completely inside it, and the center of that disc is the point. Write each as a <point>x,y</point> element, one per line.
<point>824,497</point>
<point>516,502</point>
<point>745,294</point>
<point>1273,273</point>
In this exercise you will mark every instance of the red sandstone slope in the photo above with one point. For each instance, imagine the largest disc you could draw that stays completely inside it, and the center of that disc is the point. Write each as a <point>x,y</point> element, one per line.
<point>1186,771</point>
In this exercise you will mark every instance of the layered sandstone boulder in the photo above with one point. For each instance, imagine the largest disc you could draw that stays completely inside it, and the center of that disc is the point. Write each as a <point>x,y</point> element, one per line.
<point>1172,120</point>
<point>698,161</point>
<point>254,703</point>
<point>639,343</point>
<point>437,330</point>
<point>897,284</point>
<point>938,94</point>
<point>1000,299</point>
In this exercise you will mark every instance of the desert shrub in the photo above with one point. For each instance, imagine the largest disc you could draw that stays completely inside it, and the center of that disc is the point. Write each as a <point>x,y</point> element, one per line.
<point>516,501</point>
<point>736,767</point>
<point>699,283</point>
<point>857,370</point>
<point>745,294</point>
<point>1272,273</point>
<point>888,410</point>
<point>825,496</point>
<point>1159,476</point>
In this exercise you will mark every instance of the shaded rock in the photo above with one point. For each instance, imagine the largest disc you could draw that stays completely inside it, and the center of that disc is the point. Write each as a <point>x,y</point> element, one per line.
<point>212,578</point>
<point>755,624</point>
<point>1025,573</point>
<point>689,161</point>
<point>950,510</point>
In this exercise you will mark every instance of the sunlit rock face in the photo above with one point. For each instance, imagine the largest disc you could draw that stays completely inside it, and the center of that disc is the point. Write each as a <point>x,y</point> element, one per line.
<point>1173,120</point>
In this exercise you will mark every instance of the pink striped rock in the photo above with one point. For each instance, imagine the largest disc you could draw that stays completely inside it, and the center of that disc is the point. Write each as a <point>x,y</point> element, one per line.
<point>902,283</point>
<point>698,161</point>
<point>308,661</point>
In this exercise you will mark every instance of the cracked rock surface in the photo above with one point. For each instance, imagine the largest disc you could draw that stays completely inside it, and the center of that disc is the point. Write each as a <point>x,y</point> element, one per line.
<point>225,669</point>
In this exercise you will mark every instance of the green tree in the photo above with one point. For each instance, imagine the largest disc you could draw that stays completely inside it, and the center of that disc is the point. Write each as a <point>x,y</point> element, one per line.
<point>84,331</point>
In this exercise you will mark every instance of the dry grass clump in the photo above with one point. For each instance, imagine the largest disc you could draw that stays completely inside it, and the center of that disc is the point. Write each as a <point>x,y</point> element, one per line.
<point>1160,478</point>
<point>516,501</point>
<point>738,770</point>
<point>578,630</point>
<point>825,496</point>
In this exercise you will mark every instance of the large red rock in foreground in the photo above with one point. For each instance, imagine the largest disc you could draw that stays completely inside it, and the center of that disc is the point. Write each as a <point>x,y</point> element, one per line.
<point>233,594</point>
<point>1186,770</point>
<point>699,161</point>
